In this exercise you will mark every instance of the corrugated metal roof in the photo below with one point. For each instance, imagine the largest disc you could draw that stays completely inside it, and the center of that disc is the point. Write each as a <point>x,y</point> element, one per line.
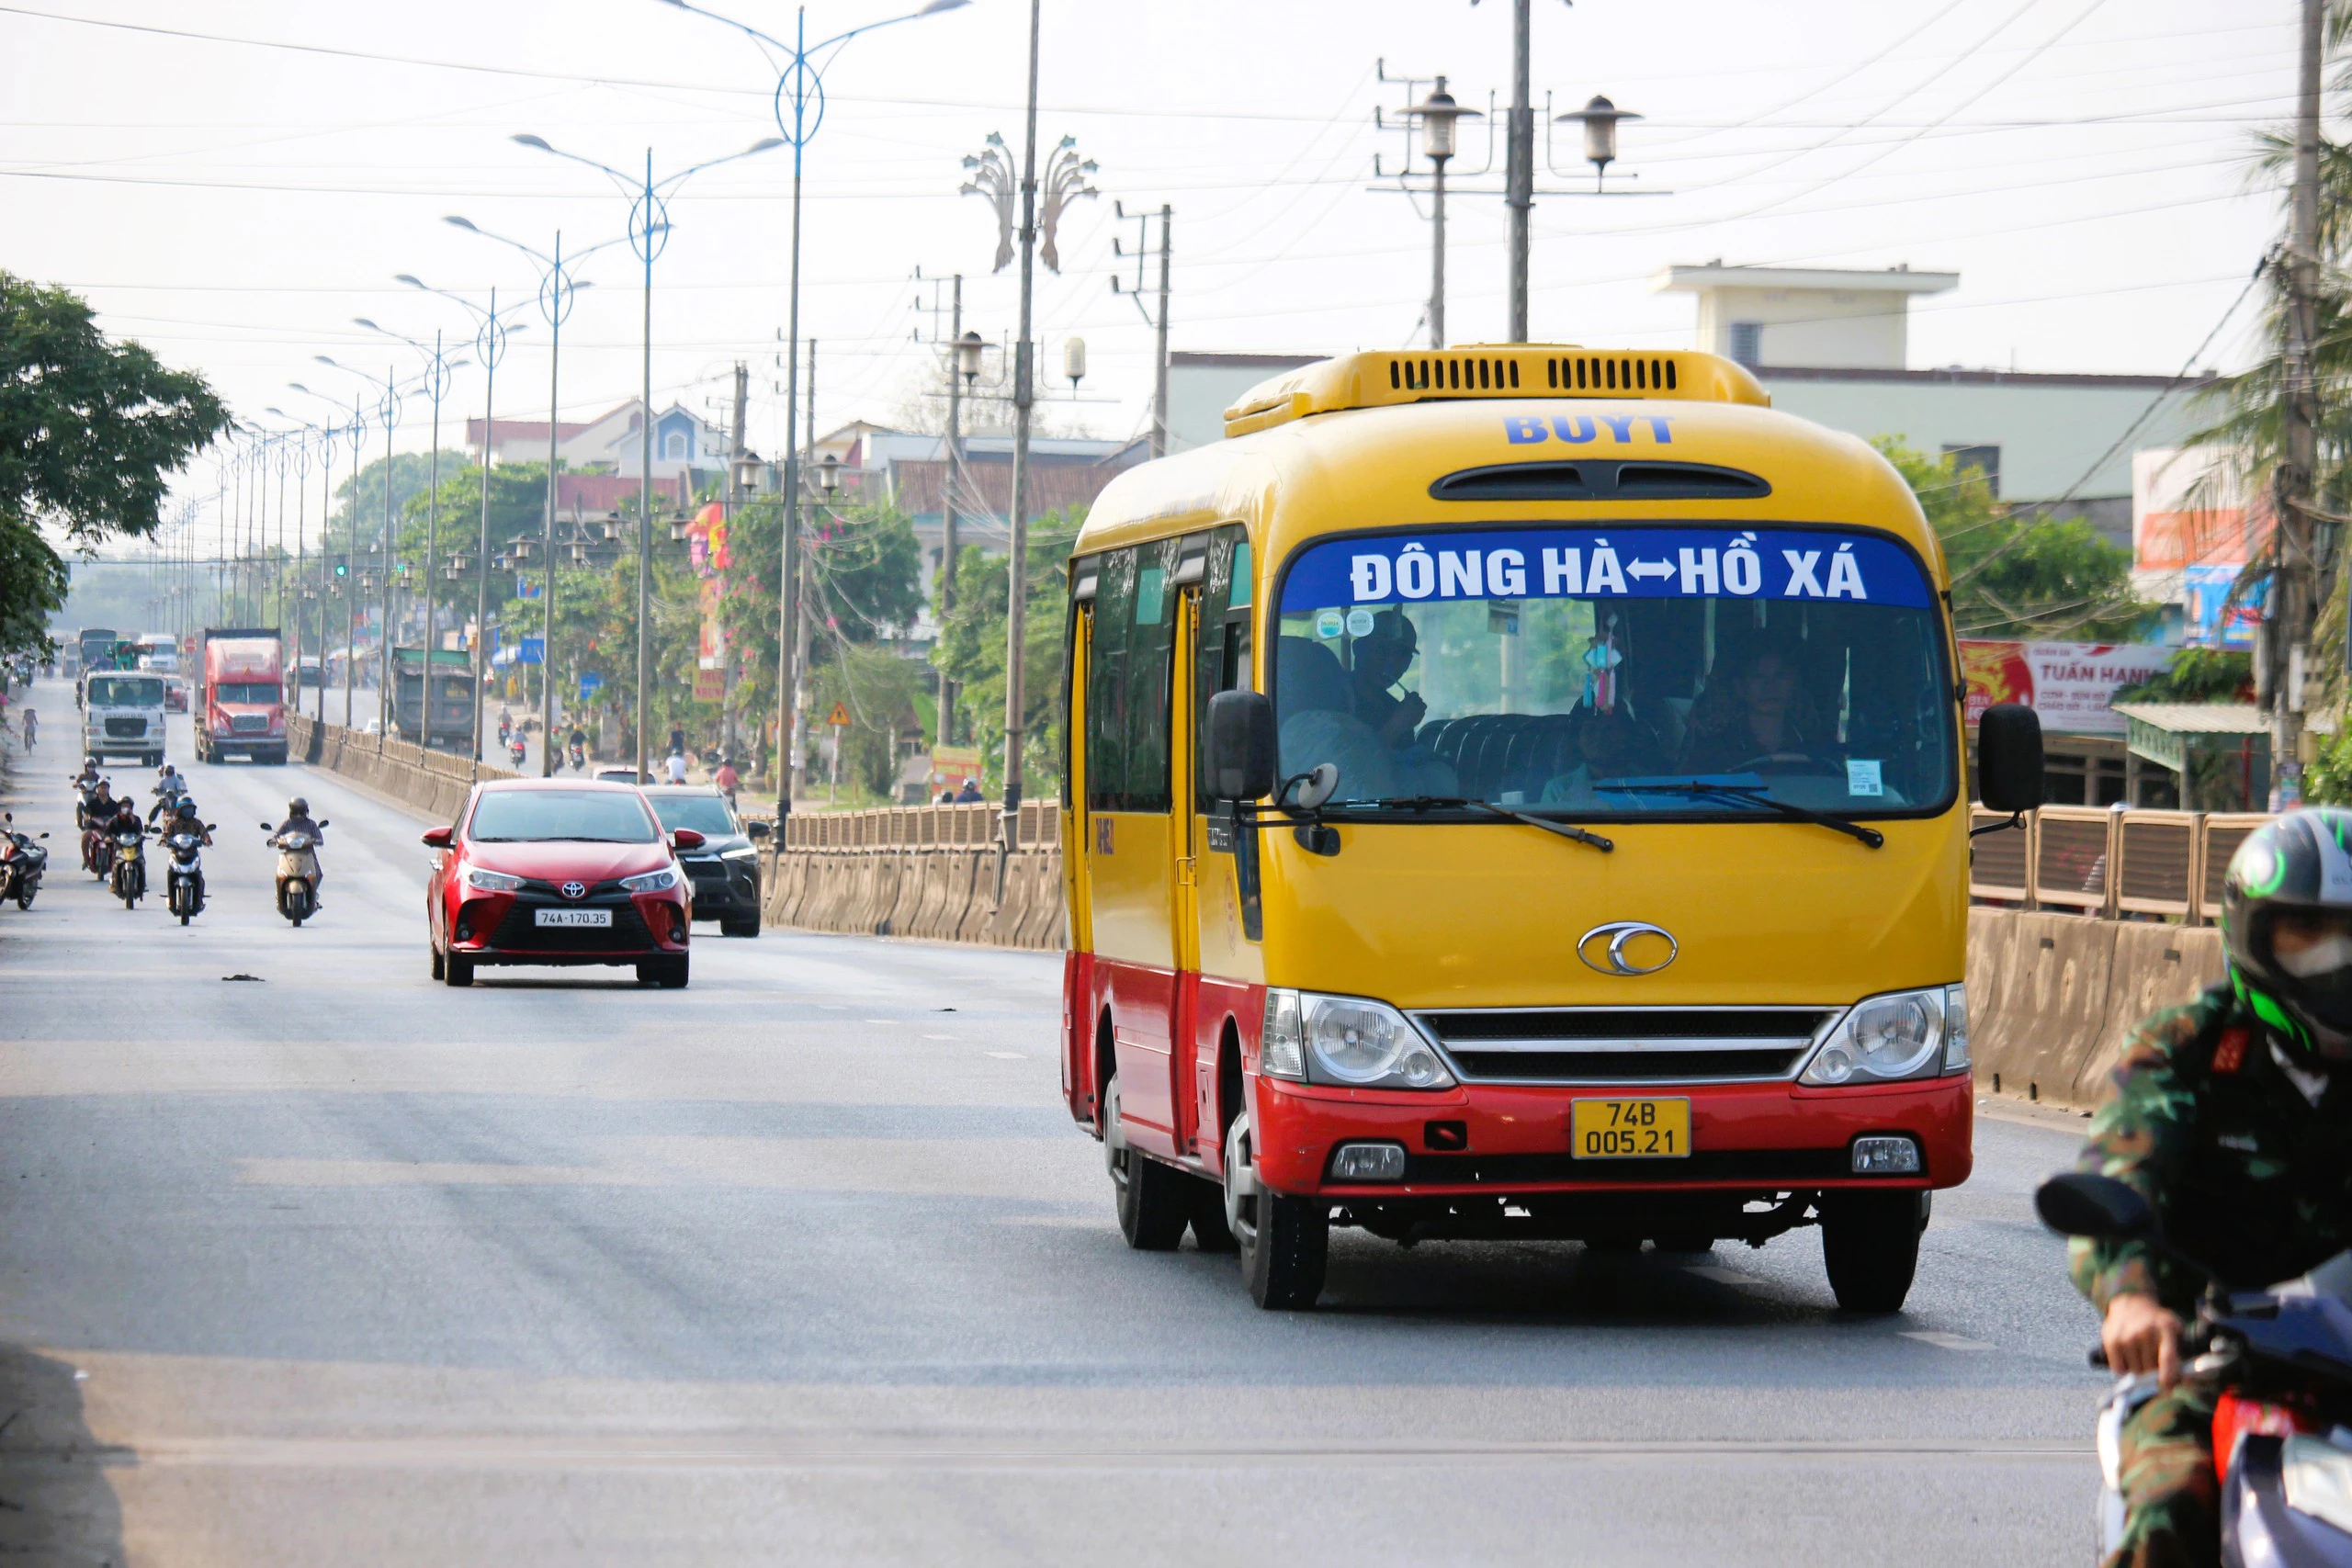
<point>2199,719</point>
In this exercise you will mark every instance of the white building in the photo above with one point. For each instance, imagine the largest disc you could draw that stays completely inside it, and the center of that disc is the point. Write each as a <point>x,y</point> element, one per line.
<point>1828,318</point>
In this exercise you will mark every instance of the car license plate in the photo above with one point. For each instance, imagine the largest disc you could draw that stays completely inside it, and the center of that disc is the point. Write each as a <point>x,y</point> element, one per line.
<point>1628,1129</point>
<point>574,917</point>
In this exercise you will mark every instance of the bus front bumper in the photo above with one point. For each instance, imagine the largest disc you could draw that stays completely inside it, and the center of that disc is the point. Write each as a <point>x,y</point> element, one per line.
<point>1511,1141</point>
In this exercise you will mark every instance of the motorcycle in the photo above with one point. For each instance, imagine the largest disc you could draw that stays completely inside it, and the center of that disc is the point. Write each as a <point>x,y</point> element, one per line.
<point>130,871</point>
<point>516,750</point>
<point>2279,1362</point>
<point>297,876</point>
<point>22,861</point>
<point>183,877</point>
<point>505,728</point>
<point>579,758</point>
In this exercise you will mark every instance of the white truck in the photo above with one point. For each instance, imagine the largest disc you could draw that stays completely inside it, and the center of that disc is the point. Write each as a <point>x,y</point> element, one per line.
<point>122,716</point>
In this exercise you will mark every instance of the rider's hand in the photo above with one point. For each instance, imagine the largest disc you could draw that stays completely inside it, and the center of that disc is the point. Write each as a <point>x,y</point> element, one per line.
<point>2140,1335</point>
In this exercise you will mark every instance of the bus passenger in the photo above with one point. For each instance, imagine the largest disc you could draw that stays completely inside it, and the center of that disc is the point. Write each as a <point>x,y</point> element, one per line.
<point>1382,656</point>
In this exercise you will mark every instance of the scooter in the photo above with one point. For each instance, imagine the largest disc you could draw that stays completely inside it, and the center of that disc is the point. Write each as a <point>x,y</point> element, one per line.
<point>579,757</point>
<point>183,877</point>
<point>2280,1363</point>
<point>297,876</point>
<point>130,873</point>
<point>22,861</point>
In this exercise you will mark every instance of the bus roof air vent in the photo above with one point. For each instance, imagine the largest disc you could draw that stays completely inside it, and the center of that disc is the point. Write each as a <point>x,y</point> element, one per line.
<point>1600,478</point>
<point>1497,370</point>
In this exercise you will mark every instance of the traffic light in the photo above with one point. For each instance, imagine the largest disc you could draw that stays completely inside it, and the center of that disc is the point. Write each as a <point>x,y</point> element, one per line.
<point>342,569</point>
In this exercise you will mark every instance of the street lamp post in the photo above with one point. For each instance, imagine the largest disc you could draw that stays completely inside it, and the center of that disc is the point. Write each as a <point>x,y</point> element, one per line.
<point>356,434</point>
<point>489,346</point>
<point>800,83</point>
<point>649,236</point>
<point>1438,115</point>
<point>558,289</point>
<point>388,409</point>
<point>436,385</point>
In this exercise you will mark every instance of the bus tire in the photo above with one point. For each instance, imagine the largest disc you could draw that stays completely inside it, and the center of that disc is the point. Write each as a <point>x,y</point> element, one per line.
<point>1150,1196</point>
<point>1284,1242</point>
<point>1870,1243</point>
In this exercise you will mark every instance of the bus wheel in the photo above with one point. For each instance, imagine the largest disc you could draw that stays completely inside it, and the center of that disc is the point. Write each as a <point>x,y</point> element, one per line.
<point>1151,1196</point>
<point>1284,1242</point>
<point>1870,1241</point>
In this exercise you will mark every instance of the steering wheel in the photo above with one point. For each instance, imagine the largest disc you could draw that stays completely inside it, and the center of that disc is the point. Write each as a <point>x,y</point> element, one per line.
<point>1782,762</point>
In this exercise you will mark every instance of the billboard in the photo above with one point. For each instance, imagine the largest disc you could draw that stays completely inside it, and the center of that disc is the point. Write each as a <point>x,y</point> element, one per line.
<point>2070,684</point>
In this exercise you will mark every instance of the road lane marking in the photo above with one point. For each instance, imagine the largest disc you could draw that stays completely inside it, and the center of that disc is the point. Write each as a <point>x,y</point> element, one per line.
<point>1943,1341</point>
<point>1006,1056</point>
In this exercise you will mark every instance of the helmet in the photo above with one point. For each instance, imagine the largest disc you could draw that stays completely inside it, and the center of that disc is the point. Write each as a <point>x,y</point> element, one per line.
<point>2287,924</point>
<point>298,806</point>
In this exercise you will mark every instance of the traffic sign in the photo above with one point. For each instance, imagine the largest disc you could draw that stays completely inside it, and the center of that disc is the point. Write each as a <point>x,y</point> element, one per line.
<point>839,717</point>
<point>533,651</point>
<point>589,684</point>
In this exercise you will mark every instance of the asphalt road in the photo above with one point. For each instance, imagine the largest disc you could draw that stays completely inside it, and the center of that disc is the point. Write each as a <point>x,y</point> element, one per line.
<point>805,1264</point>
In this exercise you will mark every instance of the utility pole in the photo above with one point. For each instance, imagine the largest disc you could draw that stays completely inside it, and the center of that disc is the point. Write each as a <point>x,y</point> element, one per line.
<point>2294,590</point>
<point>736,452</point>
<point>1158,321</point>
<point>954,470</point>
<point>1518,169</point>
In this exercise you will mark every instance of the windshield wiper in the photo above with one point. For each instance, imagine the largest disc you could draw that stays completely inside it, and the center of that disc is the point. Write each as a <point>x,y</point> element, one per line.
<point>1460,802</point>
<point>1753,794</point>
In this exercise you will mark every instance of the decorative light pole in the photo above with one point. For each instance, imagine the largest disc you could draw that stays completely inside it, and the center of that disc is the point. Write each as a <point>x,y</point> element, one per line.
<point>489,346</point>
<point>800,69</point>
<point>649,236</point>
<point>388,409</point>
<point>437,366</point>
<point>1065,180</point>
<point>558,290</point>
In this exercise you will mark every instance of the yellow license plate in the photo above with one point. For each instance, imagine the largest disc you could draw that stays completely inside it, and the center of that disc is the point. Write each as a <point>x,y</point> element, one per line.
<point>1628,1129</point>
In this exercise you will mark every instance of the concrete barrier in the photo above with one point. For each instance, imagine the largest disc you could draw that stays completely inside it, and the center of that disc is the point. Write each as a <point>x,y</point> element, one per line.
<point>2052,997</point>
<point>434,782</point>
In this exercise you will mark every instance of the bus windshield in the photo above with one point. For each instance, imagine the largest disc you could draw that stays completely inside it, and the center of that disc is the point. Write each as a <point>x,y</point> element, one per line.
<point>1617,672</point>
<point>126,692</point>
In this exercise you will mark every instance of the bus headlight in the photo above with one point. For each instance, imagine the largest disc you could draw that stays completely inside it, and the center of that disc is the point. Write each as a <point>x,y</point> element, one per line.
<point>1898,1035</point>
<point>1345,1040</point>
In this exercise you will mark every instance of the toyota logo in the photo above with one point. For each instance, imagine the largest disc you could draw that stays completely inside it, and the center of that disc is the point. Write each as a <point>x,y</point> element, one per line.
<point>1613,958</point>
<point>580,890</point>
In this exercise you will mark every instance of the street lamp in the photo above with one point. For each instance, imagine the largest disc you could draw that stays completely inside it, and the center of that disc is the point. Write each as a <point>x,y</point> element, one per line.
<point>558,290</point>
<point>1437,116</point>
<point>800,83</point>
<point>490,343</point>
<point>649,236</point>
<point>1599,120</point>
<point>388,409</point>
<point>436,385</point>
<point>356,434</point>
<point>326,465</point>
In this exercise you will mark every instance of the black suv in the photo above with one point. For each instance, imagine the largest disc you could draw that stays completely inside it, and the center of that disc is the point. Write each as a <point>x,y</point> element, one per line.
<point>726,870</point>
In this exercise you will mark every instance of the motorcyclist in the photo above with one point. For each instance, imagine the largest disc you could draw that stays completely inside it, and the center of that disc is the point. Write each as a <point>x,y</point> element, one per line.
<point>186,818</point>
<point>88,775</point>
<point>99,807</point>
<point>505,724</point>
<point>297,821</point>
<point>168,782</point>
<point>2228,1115</point>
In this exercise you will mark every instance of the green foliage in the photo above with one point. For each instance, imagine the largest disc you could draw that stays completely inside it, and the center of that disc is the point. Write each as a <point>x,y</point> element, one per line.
<point>359,501</point>
<point>90,430</point>
<point>884,692</point>
<point>971,652</point>
<point>2014,576</point>
<point>2328,781</point>
<point>2196,675</point>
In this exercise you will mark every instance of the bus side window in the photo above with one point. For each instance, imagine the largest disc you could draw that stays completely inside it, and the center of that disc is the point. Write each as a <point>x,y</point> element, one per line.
<point>1106,685</point>
<point>1223,663</point>
<point>1130,679</point>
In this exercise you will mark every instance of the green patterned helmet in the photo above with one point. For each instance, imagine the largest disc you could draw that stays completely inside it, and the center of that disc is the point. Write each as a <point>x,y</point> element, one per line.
<point>2297,869</point>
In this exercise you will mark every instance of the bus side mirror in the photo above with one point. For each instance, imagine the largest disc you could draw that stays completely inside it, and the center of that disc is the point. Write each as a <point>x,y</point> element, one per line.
<point>2009,758</point>
<point>1240,744</point>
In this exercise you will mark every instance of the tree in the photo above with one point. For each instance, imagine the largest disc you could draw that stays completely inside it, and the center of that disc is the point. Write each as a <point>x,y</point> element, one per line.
<point>2019,575</point>
<point>90,430</point>
<point>971,651</point>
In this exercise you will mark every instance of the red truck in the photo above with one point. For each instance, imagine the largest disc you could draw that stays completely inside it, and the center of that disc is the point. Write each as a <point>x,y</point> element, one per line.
<point>241,701</point>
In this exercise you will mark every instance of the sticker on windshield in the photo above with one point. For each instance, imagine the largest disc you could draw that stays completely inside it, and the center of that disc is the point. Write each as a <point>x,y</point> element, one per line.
<point>1359,622</point>
<point>1604,562</point>
<point>1864,778</point>
<point>1329,625</point>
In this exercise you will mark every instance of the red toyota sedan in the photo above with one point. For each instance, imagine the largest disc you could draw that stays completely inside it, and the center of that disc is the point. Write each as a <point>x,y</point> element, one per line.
<point>547,871</point>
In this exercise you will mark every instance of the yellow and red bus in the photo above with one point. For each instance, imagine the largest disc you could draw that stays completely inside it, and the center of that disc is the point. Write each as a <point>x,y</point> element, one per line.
<point>1519,791</point>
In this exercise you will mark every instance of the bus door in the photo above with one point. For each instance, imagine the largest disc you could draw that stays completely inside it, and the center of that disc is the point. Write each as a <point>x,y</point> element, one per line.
<point>1134,847</point>
<point>1223,925</point>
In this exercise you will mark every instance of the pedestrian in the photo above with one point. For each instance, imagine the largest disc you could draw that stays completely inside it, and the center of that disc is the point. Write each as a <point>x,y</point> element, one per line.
<point>32,724</point>
<point>726,781</point>
<point>677,765</point>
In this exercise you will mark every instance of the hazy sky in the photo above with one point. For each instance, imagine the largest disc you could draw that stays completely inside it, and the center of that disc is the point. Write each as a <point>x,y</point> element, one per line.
<point>2082,165</point>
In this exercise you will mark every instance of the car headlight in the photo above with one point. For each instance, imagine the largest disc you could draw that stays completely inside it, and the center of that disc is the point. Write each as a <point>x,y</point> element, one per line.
<point>491,881</point>
<point>1902,1035</point>
<point>749,852</point>
<point>1345,1040</point>
<point>651,882</point>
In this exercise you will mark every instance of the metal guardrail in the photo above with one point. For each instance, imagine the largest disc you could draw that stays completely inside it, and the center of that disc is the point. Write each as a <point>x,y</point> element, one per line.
<point>920,827</point>
<point>2109,863</point>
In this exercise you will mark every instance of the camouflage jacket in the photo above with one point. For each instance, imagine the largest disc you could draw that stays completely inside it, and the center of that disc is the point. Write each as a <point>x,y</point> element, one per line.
<point>2249,1176</point>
